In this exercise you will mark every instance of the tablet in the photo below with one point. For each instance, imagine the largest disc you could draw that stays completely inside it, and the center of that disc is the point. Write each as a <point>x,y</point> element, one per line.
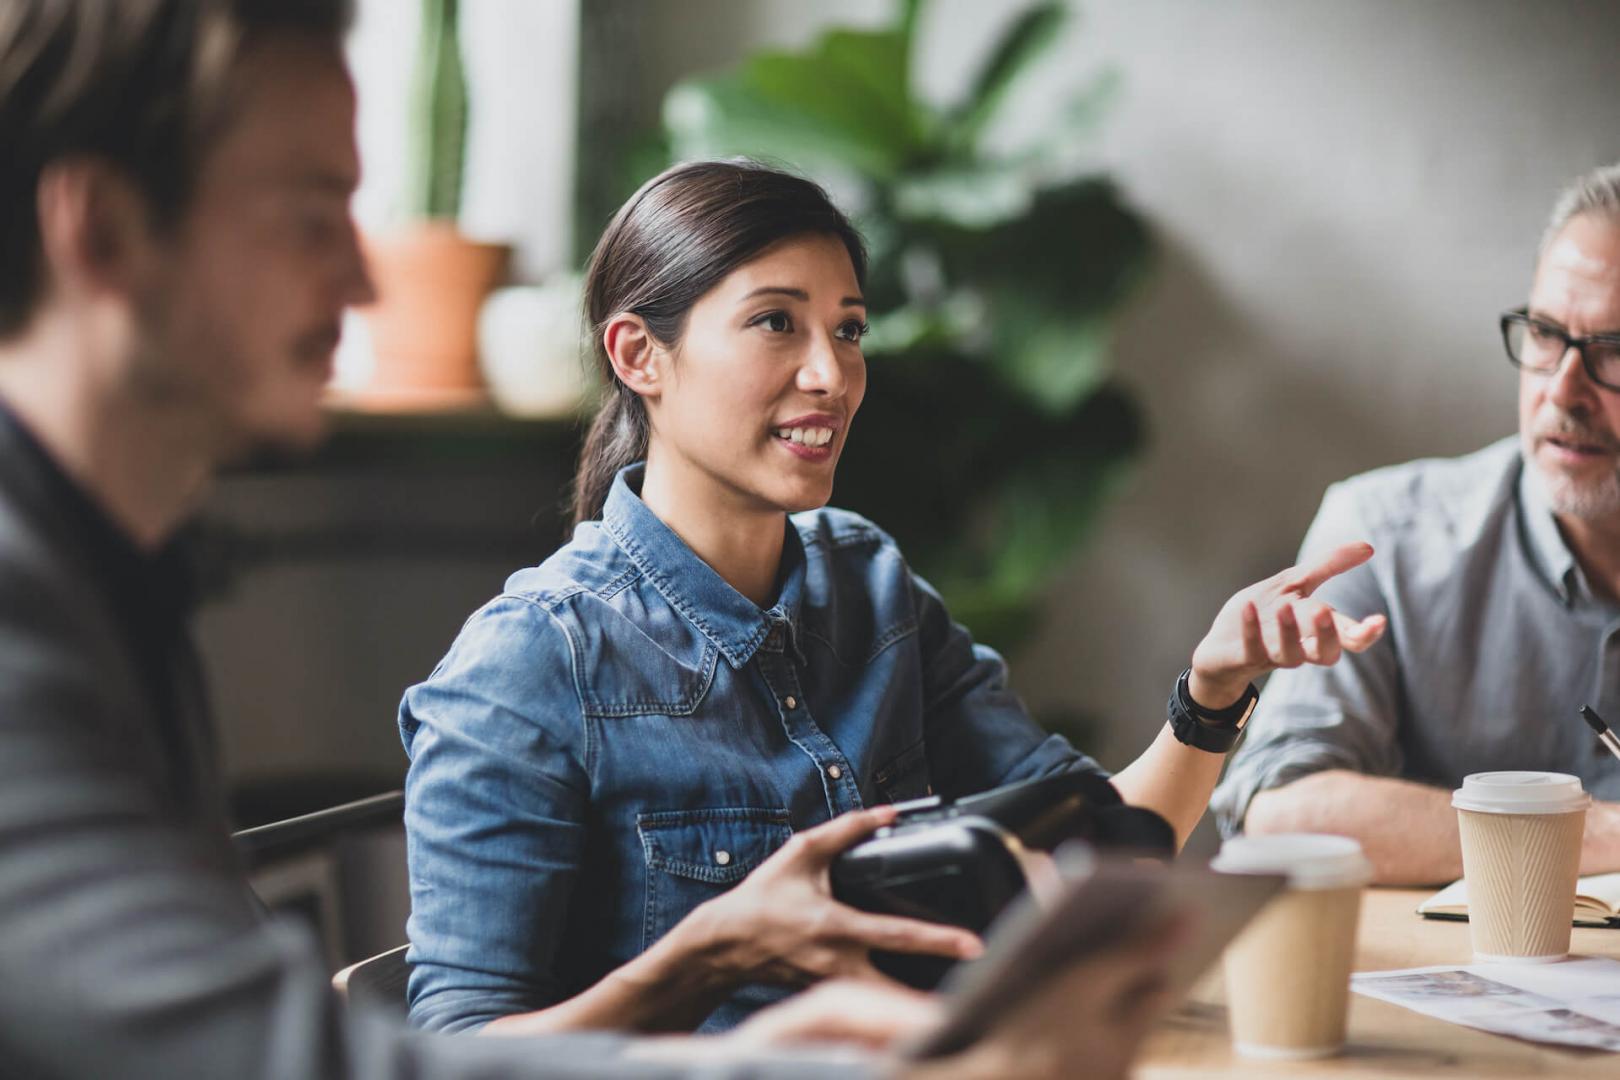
<point>1101,901</point>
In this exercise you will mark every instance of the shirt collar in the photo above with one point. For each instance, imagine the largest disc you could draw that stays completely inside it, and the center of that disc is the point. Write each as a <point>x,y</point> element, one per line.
<point>735,624</point>
<point>147,589</point>
<point>1543,540</point>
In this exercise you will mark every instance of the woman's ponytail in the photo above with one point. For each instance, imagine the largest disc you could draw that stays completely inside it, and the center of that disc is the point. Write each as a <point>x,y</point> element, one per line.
<point>617,437</point>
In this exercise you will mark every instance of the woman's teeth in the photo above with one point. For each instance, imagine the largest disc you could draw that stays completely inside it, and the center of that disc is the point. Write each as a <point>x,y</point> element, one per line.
<point>809,436</point>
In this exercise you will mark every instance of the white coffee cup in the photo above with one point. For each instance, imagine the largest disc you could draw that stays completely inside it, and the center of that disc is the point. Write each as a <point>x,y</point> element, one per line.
<point>1521,850</point>
<point>1288,973</point>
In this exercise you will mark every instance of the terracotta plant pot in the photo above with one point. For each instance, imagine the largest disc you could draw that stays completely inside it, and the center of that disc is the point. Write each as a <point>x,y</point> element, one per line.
<point>431,283</point>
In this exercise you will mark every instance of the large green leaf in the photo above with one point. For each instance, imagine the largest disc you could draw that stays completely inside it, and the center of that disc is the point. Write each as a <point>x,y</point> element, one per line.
<point>1055,359</point>
<point>983,190</point>
<point>851,78</point>
<point>1064,148</point>
<point>1030,35</point>
<point>718,118</point>
<point>1078,247</point>
<point>844,104</point>
<point>968,196</point>
<point>1049,280</point>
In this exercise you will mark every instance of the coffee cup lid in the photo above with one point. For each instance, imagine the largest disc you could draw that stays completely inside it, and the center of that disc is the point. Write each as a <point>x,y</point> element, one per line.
<point>1310,860</point>
<point>1520,793</point>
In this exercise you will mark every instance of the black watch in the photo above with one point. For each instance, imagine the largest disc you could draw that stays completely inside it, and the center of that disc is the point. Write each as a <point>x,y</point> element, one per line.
<point>1214,730</point>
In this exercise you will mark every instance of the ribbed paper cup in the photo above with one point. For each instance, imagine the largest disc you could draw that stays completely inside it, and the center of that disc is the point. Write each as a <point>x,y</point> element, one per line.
<point>1288,973</point>
<point>1521,849</point>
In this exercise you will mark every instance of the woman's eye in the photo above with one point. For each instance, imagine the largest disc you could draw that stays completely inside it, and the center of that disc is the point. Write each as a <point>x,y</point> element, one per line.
<point>777,322</point>
<point>854,330</point>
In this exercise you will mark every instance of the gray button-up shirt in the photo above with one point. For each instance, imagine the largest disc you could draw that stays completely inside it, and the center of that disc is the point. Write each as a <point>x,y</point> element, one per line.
<point>1495,639</point>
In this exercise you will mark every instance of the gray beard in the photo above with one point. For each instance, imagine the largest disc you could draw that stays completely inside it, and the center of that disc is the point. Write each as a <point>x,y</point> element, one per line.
<point>1587,501</point>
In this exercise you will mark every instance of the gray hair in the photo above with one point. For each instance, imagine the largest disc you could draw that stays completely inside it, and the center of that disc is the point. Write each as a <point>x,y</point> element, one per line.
<point>1597,192</point>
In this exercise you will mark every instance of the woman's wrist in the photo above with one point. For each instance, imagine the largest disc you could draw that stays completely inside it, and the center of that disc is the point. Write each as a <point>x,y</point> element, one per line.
<point>678,981</point>
<point>653,992</point>
<point>1214,693</point>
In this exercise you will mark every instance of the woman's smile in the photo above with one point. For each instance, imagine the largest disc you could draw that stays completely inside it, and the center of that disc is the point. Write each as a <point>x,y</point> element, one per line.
<point>809,438</point>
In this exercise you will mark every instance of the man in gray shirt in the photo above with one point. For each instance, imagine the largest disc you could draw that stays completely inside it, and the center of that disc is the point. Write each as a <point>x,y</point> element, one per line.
<point>1500,575</point>
<point>176,254</point>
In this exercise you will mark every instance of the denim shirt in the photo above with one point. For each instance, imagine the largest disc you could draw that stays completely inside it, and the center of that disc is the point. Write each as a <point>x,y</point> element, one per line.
<point>621,735</point>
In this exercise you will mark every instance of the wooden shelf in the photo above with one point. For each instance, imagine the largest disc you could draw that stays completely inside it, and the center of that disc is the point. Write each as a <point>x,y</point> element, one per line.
<point>409,402</point>
<point>460,431</point>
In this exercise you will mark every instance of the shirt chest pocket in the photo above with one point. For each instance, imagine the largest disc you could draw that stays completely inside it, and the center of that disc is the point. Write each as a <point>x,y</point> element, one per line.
<point>905,776</point>
<point>695,855</point>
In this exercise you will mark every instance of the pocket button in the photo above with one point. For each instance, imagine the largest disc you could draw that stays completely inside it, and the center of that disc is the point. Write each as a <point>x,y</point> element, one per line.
<point>722,857</point>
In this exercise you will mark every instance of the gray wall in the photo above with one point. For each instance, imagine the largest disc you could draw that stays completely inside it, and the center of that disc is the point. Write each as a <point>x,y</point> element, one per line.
<point>1345,195</point>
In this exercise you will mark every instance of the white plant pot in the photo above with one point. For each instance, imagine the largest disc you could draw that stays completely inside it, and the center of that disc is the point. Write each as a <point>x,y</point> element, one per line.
<point>530,342</point>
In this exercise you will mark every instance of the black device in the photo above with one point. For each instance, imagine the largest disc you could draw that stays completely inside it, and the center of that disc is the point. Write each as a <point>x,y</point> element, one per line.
<point>961,861</point>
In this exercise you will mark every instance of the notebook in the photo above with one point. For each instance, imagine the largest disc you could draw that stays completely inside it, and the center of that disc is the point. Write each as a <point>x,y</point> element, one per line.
<point>1597,901</point>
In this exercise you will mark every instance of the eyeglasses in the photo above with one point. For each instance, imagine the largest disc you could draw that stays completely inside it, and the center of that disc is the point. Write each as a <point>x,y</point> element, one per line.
<point>1539,347</point>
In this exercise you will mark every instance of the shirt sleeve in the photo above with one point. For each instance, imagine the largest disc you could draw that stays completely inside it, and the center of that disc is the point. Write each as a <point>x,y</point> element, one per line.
<point>495,804</point>
<point>978,733</point>
<point>128,950</point>
<point>1311,718</point>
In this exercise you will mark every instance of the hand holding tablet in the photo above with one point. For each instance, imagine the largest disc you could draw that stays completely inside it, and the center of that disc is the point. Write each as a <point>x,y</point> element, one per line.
<point>1100,962</point>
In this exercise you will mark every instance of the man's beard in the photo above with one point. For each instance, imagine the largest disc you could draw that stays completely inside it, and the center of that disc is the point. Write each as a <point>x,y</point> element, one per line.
<point>1577,497</point>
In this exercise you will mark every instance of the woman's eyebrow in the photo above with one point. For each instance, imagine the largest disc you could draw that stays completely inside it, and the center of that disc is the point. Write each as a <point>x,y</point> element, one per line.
<point>797,294</point>
<point>781,290</point>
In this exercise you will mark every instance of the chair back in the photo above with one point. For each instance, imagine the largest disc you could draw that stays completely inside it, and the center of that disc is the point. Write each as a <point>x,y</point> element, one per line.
<point>376,980</point>
<point>280,839</point>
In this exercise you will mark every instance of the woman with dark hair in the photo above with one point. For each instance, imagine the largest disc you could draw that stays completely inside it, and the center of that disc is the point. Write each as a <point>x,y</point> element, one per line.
<point>716,662</point>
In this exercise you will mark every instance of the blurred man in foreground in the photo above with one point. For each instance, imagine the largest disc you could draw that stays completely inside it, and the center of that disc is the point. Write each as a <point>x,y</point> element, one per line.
<point>1500,574</point>
<point>177,254</point>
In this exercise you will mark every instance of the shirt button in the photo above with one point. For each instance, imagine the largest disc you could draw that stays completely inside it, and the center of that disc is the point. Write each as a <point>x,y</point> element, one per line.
<point>834,771</point>
<point>791,702</point>
<point>722,857</point>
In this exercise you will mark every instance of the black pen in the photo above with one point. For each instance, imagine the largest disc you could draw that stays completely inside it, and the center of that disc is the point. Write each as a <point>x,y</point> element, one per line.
<point>1605,736</point>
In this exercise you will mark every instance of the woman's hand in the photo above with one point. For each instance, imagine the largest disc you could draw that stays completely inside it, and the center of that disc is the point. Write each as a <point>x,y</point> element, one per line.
<point>851,1012</point>
<point>1090,1018</point>
<point>782,925</point>
<point>1277,624</point>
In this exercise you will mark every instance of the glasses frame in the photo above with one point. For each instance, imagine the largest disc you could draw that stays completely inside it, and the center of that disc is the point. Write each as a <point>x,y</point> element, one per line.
<point>1522,317</point>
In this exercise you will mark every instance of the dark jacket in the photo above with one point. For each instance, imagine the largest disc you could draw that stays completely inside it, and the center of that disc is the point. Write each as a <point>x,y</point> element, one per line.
<point>129,944</point>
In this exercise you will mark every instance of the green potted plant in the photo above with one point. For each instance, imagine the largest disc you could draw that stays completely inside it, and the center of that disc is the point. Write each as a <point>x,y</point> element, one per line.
<point>431,280</point>
<point>992,431</point>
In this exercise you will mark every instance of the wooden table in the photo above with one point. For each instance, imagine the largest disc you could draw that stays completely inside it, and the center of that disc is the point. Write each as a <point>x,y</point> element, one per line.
<point>1384,1040</point>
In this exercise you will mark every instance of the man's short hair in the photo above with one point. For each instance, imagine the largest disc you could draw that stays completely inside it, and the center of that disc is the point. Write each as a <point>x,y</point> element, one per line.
<point>139,84</point>
<point>1597,192</point>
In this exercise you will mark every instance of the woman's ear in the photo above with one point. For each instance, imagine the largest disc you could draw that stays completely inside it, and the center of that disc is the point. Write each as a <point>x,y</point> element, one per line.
<point>636,355</point>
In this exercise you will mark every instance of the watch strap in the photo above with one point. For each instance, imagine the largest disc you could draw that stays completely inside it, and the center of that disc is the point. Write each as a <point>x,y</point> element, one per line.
<point>1213,730</point>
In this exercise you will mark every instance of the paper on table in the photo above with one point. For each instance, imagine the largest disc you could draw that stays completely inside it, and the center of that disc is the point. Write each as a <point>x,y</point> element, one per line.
<point>1575,1002</point>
